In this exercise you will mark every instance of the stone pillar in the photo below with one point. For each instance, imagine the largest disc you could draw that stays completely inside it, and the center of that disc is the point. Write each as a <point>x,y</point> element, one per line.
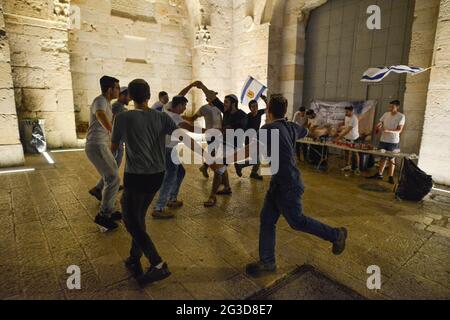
<point>421,54</point>
<point>11,151</point>
<point>40,61</point>
<point>435,148</point>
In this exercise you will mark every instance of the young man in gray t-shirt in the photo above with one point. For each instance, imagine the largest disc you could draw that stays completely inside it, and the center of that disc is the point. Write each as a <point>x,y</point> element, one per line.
<point>98,151</point>
<point>143,131</point>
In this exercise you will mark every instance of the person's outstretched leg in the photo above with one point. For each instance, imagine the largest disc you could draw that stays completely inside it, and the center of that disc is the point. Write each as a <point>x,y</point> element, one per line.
<point>217,181</point>
<point>289,201</point>
<point>181,173</point>
<point>267,237</point>
<point>226,185</point>
<point>169,182</point>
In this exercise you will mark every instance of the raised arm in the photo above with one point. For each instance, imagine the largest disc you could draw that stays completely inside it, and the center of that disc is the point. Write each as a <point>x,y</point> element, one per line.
<point>186,90</point>
<point>212,96</point>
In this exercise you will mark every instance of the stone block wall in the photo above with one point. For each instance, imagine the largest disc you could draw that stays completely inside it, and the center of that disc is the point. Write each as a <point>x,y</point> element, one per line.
<point>421,54</point>
<point>38,37</point>
<point>129,45</point>
<point>11,152</point>
<point>435,147</point>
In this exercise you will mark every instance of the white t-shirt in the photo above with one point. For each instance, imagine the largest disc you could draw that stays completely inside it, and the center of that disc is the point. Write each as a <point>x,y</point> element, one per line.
<point>97,134</point>
<point>301,121</point>
<point>177,119</point>
<point>392,122</point>
<point>212,115</point>
<point>318,122</point>
<point>157,106</point>
<point>354,123</point>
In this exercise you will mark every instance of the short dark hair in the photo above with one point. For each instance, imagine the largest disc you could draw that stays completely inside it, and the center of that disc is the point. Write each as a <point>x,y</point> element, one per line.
<point>310,112</point>
<point>162,94</point>
<point>107,82</point>
<point>124,93</point>
<point>278,106</point>
<point>302,109</point>
<point>395,103</point>
<point>139,90</point>
<point>177,100</point>
<point>252,102</point>
<point>349,108</point>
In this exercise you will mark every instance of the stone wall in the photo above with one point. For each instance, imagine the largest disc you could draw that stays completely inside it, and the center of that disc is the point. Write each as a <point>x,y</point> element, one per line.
<point>154,45</point>
<point>421,54</point>
<point>11,152</point>
<point>37,32</point>
<point>435,147</point>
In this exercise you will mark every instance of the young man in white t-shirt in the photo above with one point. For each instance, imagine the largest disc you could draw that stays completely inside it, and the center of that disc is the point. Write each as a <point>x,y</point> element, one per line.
<point>350,132</point>
<point>391,125</point>
<point>213,120</point>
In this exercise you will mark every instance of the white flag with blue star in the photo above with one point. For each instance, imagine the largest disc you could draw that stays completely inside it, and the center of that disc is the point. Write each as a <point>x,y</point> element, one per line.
<point>379,73</point>
<point>252,90</point>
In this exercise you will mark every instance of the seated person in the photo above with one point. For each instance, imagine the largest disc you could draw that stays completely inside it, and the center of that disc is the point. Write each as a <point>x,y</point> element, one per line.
<point>317,125</point>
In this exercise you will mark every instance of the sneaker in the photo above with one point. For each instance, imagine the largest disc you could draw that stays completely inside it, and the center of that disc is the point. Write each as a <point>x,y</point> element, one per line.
<point>134,267</point>
<point>162,214</point>
<point>391,180</point>
<point>339,244</point>
<point>175,204</point>
<point>96,193</point>
<point>347,168</point>
<point>256,176</point>
<point>257,269</point>
<point>357,172</point>
<point>204,170</point>
<point>105,224</point>
<point>116,216</point>
<point>154,274</point>
<point>238,170</point>
<point>376,177</point>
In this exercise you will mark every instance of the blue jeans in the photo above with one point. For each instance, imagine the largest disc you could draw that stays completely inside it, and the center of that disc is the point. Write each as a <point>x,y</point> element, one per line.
<point>118,157</point>
<point>172,181</point>
<point>286,200</point>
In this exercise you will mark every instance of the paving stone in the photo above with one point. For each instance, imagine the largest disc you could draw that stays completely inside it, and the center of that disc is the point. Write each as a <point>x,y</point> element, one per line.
<point>440,230</point>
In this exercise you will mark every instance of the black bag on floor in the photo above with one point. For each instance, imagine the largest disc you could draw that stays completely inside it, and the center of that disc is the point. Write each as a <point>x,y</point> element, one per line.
<point>414,183</point>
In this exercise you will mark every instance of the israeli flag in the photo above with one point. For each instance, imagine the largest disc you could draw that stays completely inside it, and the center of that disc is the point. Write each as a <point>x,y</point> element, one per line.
<point>378,74</point>
<point>252,90</point>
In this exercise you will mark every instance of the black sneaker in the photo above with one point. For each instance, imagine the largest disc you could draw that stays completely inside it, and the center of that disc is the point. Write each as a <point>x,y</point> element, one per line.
<point>204,170</point>
<point>96,193</point>
<point>105,224</point>
<point>376,177</point>
<point>391,180</point>
<point>339,244</point>
<point>134,267</point>
<point>116,216</point>
<point>257,269</point>
<point>154,274</point>
<point>238,169</point>
<point>256,176</point>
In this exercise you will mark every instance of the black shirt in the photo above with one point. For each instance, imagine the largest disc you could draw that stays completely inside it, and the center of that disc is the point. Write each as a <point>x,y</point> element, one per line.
<point>284,172</point>
<point>235,121</point>
<point>254,122</point>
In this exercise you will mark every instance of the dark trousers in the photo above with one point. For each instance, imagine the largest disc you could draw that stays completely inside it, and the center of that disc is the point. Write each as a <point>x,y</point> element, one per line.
<point>302,148</point>
<point>134,209</point>
<point>286,200</point>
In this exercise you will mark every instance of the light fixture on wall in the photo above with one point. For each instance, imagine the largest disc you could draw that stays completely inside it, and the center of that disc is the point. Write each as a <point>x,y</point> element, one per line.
<point>202,35</point>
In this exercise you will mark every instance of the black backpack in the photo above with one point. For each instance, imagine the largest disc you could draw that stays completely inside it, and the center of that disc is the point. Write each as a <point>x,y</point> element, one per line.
<point>414,184</point>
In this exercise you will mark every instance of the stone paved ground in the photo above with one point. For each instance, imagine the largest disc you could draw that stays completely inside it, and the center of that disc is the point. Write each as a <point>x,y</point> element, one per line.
<point>46,225</point>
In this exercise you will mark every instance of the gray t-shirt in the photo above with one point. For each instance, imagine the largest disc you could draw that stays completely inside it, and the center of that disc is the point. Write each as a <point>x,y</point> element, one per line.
<point>212,115</point>
<point>118,107</point>
<point>144,134</point>
<point>97,134</point>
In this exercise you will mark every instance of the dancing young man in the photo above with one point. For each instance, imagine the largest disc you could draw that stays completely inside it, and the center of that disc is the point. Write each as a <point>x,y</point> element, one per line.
<point>144,132</point>
<point>99,154</point>
<point>286,190</point>
<point>117,107</point>
<point>234,119</point>
<point>254,118</point>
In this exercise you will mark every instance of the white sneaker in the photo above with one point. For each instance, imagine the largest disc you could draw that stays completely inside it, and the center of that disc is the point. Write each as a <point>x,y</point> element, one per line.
<point>347,168</point>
